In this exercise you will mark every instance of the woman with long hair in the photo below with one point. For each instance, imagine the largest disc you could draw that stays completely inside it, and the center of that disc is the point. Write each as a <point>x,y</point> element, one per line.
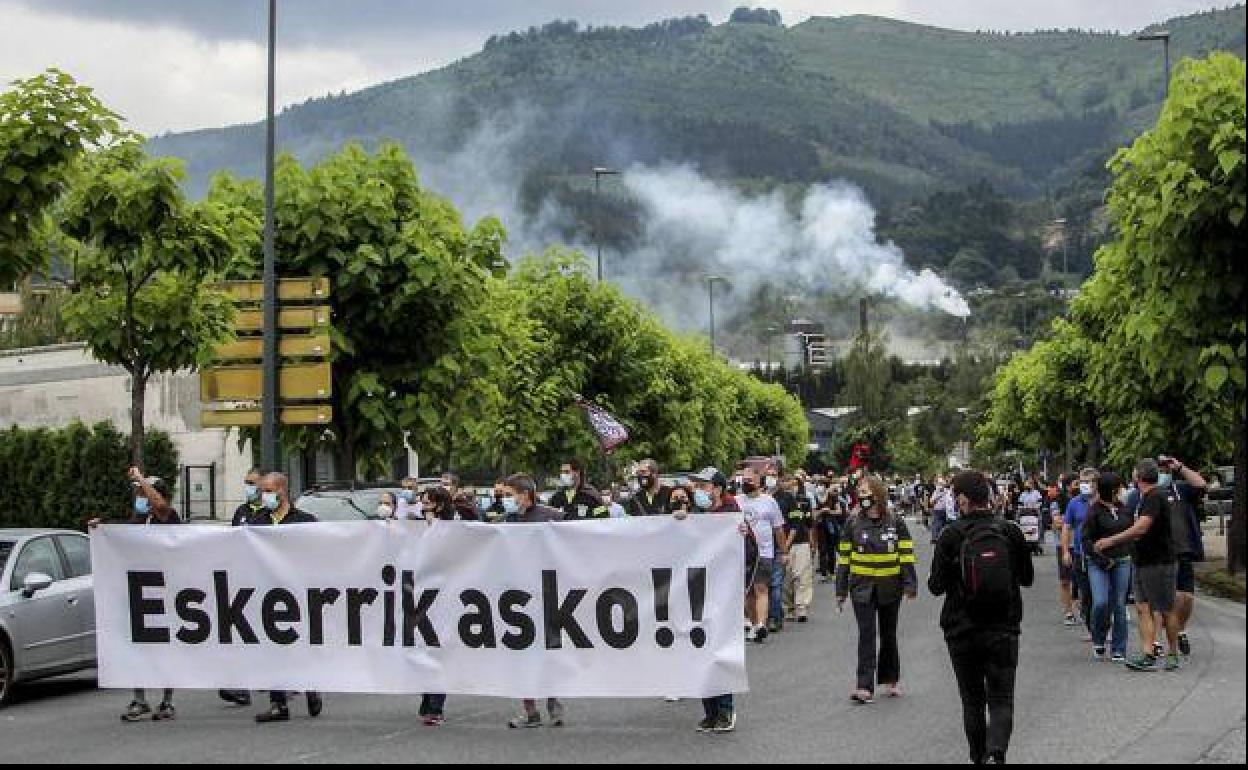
<point>876,570</point>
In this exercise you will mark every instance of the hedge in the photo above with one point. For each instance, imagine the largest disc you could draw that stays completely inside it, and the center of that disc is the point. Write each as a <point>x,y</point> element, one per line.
<point>63,478</point>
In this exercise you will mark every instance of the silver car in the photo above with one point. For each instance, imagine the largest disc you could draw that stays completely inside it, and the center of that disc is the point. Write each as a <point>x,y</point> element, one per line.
<point>47,605</point>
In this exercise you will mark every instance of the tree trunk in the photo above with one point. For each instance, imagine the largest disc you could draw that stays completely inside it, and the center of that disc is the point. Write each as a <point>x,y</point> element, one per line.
<point>1235,555</point>
<point>138,399</point>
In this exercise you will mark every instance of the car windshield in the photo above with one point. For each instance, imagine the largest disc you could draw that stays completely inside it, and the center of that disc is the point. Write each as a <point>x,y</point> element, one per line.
<point>6,548</point>
<point>341,506</point>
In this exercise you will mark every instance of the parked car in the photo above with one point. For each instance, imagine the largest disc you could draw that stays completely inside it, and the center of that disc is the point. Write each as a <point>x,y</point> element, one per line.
<point>345,502</point>
<point>47,605</point>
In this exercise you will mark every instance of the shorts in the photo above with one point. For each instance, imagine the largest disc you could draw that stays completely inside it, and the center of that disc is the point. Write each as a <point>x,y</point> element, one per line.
<point>1154,586</point>
<point>761,575</point>
<point>1185,576</point>
<point>1065,574</point>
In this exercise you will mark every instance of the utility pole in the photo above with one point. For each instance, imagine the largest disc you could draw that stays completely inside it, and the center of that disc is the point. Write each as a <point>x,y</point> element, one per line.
<point>1164,36</point>
<point>599,172</point>
<point>269,393</point>
<point>710,298</point>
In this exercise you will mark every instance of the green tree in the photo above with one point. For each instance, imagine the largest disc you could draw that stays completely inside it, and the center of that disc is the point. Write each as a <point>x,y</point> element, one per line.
<point>868,376</point>
<point>1168,291</point>
<point>146,254</point>
<point>46,123</point>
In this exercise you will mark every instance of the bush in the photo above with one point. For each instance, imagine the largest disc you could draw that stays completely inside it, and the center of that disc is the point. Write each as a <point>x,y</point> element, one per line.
<point>63,478</point>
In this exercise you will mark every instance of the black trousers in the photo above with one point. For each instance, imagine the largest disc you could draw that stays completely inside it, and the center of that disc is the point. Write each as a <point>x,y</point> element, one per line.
<point>884,666</point>
<point>984,663</point>
<point>1080,565</point>
<point>279,697</point>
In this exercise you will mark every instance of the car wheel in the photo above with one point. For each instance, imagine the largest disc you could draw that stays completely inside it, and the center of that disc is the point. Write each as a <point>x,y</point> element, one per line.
<point>6,672</point>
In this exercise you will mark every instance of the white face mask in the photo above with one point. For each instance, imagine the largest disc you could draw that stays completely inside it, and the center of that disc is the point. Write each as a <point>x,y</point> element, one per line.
<point>1124,496</point>
<point>770,482</point>
<point>567,480</point>
<point>1085,489</point>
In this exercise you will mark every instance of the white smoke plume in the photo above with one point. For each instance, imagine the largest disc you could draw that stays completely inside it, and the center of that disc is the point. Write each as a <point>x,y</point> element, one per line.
<point>828,246</point>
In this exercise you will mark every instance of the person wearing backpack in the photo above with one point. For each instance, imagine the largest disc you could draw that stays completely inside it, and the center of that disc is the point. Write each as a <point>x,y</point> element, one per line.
<point>979,565</point>
<point>876,569</point>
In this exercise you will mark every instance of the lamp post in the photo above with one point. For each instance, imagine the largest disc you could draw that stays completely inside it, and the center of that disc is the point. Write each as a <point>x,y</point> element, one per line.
<point>1164,36</point>
<point>710,299</point>
<point>599,172</point>
<point>268,403</point>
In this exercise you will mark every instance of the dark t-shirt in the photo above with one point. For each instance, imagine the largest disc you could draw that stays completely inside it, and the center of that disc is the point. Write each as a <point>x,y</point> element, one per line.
<point>1184,524</point>
<point>799,518</point>
<point>1105,521</point>
<point>1157,546</point>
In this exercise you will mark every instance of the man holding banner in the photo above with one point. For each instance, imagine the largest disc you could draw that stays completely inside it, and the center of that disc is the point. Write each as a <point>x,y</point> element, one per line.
<point>276,509</point>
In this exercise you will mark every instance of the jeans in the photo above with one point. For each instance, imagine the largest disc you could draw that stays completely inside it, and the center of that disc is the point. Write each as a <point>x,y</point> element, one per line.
<point>984,663</point>
<point>775,601</point>
<point>716,705</point>
<point>1109,594</point>
<point>938,523</point>
<point>1080,565</point>
<point>885,666</point>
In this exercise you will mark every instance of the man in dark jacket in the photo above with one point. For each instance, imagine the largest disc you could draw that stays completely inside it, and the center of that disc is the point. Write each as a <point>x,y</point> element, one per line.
<point>576,498</point>
<point>650,498</point>
<point>249,509</point>
<point>982,639</point>
<point>276,508</point>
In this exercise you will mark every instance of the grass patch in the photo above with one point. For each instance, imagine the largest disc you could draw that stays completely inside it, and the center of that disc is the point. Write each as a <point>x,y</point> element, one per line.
<point>1213,579</point>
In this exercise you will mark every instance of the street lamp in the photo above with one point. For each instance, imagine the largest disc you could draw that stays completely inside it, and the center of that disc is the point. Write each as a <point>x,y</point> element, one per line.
<point>710,297</point>
<point>1164,36</point>
<point>599,172</point>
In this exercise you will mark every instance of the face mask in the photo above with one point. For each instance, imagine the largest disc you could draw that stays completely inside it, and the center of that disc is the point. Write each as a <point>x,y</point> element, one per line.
<point>702,499</point>
<point>385,511</point>
<point>511,506</point>
<point>1085,489</point>
<point>567,480</point>
<point>407,495</point>
<point>645,481</point>
<point>1164,480</point>
<point>269,500</point>
<point>867,502</point>
<point>771,482</point>
<point>679,503</point>
<point>142,506</point>
<point>251,492</point>
<point>416,509</point>
<point>634,485</point>
<point>1124,496</point>
<point>749,487</point>
<point>498,497</point>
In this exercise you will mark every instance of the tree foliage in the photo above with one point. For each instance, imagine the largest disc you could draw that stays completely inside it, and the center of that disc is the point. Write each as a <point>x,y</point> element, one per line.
<point>46,123</point>
<point>144,256</point>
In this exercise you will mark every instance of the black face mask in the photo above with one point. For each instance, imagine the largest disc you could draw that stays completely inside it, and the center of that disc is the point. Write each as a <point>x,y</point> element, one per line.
<point>498,497</point>
<point>645,481</point>
<point>749,487</point>
<point>679,503</point>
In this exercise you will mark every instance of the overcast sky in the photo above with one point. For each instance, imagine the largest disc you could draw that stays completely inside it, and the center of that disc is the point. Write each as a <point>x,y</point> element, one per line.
<point>180,64</point>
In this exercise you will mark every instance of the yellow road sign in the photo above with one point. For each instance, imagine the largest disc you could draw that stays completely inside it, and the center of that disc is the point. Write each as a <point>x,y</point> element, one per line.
<point>313,289</point>
<point>252,320</point>
<point>315,414</point>
<point>289,346</point>
<point>245,383</point>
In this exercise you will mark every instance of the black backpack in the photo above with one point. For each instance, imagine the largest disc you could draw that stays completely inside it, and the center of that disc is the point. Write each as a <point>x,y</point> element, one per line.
<point>987,568</point>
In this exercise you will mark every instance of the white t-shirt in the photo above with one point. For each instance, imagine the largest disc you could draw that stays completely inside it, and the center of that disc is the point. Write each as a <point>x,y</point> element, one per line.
<point>763,515</point>
<point>1030,499</point>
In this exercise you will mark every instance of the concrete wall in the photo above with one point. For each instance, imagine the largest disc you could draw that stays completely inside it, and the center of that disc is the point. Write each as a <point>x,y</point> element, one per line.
<point>50,387</point>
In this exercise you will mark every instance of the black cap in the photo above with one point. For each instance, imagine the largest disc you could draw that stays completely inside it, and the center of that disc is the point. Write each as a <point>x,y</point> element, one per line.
<point>712,475</point>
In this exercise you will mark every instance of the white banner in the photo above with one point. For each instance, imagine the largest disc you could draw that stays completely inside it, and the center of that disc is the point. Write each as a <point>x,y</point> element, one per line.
<point>623,607</point>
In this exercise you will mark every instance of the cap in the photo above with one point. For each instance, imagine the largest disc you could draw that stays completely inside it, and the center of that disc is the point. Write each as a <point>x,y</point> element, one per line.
<point>711,475</point>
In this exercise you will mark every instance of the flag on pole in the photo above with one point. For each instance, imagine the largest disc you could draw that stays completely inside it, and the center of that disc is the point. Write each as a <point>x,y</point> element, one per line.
<point>609,431</point>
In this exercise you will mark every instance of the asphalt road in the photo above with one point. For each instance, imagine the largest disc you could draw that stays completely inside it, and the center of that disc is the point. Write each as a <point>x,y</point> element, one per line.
<point>1068,709</point>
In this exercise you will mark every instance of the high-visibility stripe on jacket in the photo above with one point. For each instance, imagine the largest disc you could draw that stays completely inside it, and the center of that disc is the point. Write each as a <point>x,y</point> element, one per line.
<point>877,561</point>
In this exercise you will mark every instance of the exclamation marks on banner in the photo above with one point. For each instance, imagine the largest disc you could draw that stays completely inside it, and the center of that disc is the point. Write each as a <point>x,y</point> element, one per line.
<point>697,597</point>
<point>696,582</point>
<point>662,578</point>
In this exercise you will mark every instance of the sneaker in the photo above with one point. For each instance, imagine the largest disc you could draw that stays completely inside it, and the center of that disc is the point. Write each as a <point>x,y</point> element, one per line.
<point>774,626</point>
<point>726,722</point>
<point>275,713</point>
<point>760,634</point>
<point>1158,650</point>
<point>164,711</point>
<point>433,720</point>
<point>1185,646</point>
<point>1117,657</point>
<point>862,696</point>
<point>315,704</point>
<point>237,697</point>
<point>1098,653</point>
<point>1172,663</point>
<point>1142,663</point>
<point>526,720</point>
<point>707,725</point>
<point>801,619</point>
<point>894,690</point>
<point>136,711</point>
<point>1070,620</point>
